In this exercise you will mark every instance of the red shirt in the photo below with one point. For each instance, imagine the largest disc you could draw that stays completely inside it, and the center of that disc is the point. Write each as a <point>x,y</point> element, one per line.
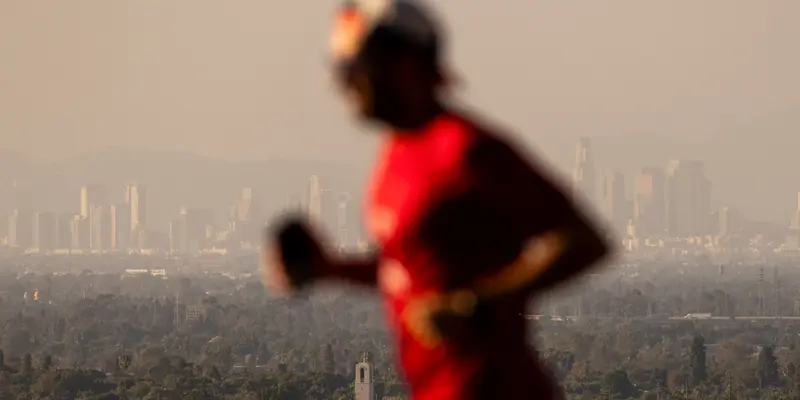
<point>449,204</point>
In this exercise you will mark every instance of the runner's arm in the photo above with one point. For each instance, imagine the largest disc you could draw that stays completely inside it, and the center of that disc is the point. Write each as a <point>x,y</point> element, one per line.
<point>352,269</point>
<point>561,241</point>
<point>302,259</point>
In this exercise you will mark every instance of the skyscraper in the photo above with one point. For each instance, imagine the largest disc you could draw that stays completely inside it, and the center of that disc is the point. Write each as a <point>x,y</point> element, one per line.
<point>793,238</point>
<point>176,232</point>
<point>91,196</point>
<point>246,221</point>
<point>649,202</point>
<point>315,199</point>
<point>79,232</point>
<point>94,206</point>
<point>729,221</point>
<point>44,231</point>
<point>343,237</point>
<point>322,205</point>
<point>20,219</point>
<point>19,199</point>
<point>64,231</point>
<point>121,227</point>
<point>136,198</point>
<point>583,176</point>
<point>615,204</point>
<point>246,209</point>
<point>197,225</point>
<point>100,228</point>
<point>688,199</point>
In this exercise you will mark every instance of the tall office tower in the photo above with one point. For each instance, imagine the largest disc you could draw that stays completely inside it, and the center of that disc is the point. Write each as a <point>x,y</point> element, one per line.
<point>614,202</point>
<point>688,199</point>
<point>246,208</point>
<point>100,228</point>
<point>176,231</point>
<point>143,238</point>
<point>136,198</point>
<point>583,177</point>
<point>649,211</point>
<point>64,231</point>
<point>232,214</point>
<point>91,196</point>
<point>342,219</point>
<point>729,221</point>
<point>5,210</point>
<point>198,227</point>
<point>322,205</point>
<point>79,231</point>
<point>121,226</point>
<point>793,238</point>
<point>94,202</point>
<point>20,228</point>
<point>315,198</point>
<point>247,219</point>
<point>44,231</point>
<point>364,384</point>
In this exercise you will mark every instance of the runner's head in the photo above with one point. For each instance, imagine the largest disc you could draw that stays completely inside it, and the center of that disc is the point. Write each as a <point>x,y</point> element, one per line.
<point>386,55</point>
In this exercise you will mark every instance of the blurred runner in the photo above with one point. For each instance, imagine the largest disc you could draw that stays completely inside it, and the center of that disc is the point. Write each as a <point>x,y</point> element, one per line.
<point>467,229</point>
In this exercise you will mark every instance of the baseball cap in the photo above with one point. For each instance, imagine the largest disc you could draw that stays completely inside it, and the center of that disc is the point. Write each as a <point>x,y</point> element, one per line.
<point>384,25</point>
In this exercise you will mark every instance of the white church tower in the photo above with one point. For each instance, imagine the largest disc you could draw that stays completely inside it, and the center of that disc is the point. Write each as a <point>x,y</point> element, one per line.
<point>364,383</point>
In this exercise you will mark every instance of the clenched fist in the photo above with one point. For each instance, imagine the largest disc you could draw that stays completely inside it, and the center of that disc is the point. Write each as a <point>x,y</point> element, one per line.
<point>292,256</point>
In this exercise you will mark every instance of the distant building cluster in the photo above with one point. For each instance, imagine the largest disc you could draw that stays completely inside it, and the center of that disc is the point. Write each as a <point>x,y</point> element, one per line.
<point>194,230</point>
<point>98,226</point>
<point>669,209</point>
<point>667,202</point>
<point>657,211</point>
<point>102,226</point>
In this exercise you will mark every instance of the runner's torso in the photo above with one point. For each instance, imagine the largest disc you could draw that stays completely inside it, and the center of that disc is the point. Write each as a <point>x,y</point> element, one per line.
<point>414,173</point>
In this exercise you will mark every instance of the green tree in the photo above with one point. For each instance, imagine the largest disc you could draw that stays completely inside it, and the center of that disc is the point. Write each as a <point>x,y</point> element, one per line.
<point>27,365</point>
<point>617,384</point>
<point>768,369</point>
<point>698,360</point>
<point>45,362</point>
<point>329,360</point>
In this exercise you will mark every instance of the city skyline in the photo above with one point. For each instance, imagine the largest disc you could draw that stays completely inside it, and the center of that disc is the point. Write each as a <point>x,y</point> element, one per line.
<point>102,224</point>
<point>674,200</point>
<point>759,187</point>
<point>723,90</point>
<point>670,203</point>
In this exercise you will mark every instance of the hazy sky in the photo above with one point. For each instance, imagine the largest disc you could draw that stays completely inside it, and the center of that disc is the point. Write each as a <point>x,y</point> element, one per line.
<point>245,79</point>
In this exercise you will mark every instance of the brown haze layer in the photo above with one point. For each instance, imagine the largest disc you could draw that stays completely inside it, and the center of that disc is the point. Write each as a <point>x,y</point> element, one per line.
<point>244,81</point>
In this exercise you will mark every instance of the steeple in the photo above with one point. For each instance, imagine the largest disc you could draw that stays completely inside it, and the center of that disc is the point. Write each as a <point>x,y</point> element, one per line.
<point>364,384</point>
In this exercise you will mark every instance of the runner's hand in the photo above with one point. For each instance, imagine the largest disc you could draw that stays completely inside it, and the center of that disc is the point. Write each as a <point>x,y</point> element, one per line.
<point>434,318</point>
<point>292,257</point>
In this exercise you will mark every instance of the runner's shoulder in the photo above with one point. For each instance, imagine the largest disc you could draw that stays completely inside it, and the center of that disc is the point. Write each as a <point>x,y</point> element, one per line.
<point>487,142</point>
